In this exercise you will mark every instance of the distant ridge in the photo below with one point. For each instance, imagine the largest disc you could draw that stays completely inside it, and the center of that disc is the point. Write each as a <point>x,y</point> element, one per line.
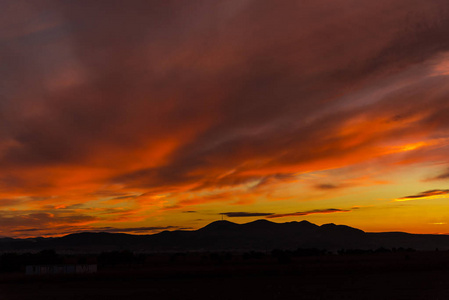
<point>228,236</point>
<point>220,226</point>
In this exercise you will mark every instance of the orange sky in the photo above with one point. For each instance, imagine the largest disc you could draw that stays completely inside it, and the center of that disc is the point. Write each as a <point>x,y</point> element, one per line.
<point>144,116</point>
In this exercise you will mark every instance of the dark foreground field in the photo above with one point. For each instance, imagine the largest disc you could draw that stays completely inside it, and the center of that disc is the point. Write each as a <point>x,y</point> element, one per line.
<point>417,275</point>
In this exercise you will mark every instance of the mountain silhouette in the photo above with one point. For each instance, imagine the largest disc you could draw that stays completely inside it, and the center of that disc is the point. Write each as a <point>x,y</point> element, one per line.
<point>229,236</point>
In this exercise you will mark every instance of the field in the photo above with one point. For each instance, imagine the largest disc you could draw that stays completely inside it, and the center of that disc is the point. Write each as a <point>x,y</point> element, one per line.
<point>417,275</point>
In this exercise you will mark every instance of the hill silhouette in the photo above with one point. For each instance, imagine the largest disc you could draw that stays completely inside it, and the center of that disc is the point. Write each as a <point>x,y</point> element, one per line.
<point>229,236</point>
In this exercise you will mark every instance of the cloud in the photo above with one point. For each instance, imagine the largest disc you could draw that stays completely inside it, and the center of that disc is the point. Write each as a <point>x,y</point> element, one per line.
<point>423,195</point>
<point>442,176</point>
<point>245,214</point>
<point>272,180</point>
<point>15,222</point>
<point>326,186</point>
<point>137,230</point>
<point>310,212</point>
<point>183,99</point>
<point>64,230</point>
<point>9,202</point>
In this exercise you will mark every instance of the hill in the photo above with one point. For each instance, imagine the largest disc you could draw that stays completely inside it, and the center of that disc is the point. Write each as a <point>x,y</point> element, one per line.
<point>229,236</point>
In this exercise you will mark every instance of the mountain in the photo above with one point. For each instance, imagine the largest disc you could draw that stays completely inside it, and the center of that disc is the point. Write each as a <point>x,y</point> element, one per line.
<point>229,236</point>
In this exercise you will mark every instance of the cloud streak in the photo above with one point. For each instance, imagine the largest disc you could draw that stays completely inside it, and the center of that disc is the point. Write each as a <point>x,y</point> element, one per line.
<point>245,214</point>
<point>310,212</point>
<point>424,195</point>
<point>65,230</point>
<point>442,176</point>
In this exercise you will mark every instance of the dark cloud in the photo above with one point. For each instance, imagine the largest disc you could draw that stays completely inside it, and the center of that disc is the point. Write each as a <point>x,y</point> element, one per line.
<point>137,229</point>
<point>442,176</point>
<point>124,197</point>
<point>245,214</point>
<point>63,230</point>
<point>426,194</point>
<point>282,56</point>
<point>310,212</point>
<point>116,211</point>
<point>327,186</point>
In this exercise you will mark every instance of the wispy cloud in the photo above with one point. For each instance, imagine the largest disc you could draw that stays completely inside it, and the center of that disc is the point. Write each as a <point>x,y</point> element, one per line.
<point>245,214</point>
<point>327,186</point>
<point>442,176</point>
<point>309,212</point>
<point>41,223</point>
<point>67,229</point>
<point>425,195</point>
<point>138,230</point>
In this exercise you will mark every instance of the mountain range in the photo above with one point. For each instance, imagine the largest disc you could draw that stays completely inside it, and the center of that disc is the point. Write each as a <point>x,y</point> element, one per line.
<point>228,236</point>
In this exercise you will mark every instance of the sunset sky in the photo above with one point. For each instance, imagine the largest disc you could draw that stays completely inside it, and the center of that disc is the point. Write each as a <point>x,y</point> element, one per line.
<point>147,115</point>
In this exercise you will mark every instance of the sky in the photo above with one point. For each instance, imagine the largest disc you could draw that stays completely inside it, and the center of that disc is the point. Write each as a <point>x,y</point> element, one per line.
<point>141,116</point>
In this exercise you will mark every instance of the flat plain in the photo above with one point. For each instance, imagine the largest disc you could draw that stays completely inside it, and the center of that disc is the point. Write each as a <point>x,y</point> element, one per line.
<point>416,275</point>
